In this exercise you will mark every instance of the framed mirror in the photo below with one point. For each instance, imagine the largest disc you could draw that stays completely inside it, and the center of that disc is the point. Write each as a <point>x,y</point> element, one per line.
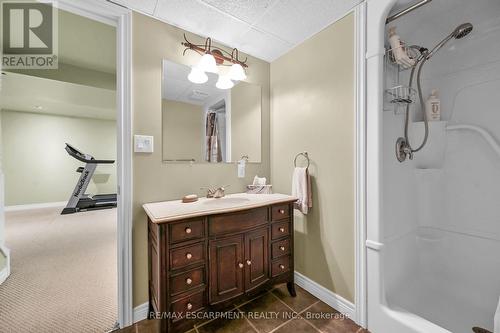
<point>204,124</point>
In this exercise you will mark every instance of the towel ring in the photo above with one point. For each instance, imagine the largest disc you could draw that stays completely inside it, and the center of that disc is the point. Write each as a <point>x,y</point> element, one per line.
<point>305,154</point>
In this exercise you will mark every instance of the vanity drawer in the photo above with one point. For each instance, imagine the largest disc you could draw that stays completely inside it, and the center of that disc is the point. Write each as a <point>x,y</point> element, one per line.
<point>280,212</point>
<point>187,255</point>
<point>280,248</point>
<point>280,229</point>
<point>192,303</point>
<point>238,221</point>
<point>280,266</point>
<point>186,230</point>
<point>190,280</point>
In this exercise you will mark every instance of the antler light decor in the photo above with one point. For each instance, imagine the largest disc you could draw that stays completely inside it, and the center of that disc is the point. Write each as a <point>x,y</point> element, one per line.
<point>213,57</point>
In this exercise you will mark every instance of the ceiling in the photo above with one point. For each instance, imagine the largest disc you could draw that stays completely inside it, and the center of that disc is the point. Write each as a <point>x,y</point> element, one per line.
<point>39,95</point>
<point>265,29</point>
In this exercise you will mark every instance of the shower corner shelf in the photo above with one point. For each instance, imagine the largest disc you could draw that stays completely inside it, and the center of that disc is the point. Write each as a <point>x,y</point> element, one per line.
<point>401,95</point>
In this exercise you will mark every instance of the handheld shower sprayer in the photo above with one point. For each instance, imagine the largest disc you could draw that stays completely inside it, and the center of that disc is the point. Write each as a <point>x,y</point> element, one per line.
<point>460,32</point>
<point>403,147</point>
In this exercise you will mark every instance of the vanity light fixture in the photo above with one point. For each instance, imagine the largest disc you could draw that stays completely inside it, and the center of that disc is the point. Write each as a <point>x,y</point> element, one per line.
<point>224,82</point>
<point>236,72</point>
<point>207,64</point>
<point>197,75</point>
<point>213,57</point>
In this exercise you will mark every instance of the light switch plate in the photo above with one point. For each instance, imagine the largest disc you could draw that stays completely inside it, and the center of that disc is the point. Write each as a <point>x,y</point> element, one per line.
<point>143,144</point>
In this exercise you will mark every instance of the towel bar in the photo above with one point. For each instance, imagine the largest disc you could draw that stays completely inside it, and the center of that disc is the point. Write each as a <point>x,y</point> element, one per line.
<point>305,154</point>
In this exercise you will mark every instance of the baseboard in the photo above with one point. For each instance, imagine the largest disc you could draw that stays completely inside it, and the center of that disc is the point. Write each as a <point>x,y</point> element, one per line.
<point>35,206</point>
<point>329,297</point>
<point>140,312</point>
<point>5,272</point>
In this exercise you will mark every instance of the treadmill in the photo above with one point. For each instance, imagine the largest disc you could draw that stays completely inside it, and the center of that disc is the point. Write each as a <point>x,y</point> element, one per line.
<point>79,200</point>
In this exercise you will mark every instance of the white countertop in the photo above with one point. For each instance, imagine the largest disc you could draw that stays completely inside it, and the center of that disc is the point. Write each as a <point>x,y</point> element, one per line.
<point>166,211</point>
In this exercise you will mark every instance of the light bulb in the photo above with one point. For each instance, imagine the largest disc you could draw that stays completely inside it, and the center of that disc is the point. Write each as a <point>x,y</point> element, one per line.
<point>224,82</point>
<point>207,63</point>
<point>197,75</point>
<point>237,73</point>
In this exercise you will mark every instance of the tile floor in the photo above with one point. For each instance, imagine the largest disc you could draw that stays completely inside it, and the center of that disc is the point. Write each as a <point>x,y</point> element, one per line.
<point>273,311</point>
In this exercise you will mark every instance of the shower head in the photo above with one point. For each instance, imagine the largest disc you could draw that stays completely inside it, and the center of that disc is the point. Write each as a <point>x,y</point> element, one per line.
<point>460,32</point>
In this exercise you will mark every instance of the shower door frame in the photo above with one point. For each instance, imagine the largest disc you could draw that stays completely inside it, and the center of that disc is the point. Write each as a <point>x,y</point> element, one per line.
<point>381,318</point>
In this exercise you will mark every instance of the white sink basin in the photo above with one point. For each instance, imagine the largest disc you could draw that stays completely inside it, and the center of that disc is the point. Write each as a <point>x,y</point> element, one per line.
<point>226,201</point>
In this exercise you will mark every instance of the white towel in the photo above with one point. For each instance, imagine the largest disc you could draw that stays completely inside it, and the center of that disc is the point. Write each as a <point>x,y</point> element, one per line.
<point>497,319</point>
<point>301,188</point>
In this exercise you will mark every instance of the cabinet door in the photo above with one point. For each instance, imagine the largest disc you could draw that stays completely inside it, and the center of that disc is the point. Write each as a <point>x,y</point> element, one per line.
<point>256,258</point>
<point>226,268</point>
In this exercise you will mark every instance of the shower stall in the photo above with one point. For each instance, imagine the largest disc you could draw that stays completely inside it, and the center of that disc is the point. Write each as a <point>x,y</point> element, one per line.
<point>433,214</point>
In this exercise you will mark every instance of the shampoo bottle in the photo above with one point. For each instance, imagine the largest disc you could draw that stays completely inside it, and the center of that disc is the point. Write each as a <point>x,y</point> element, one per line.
<point>433,106</point>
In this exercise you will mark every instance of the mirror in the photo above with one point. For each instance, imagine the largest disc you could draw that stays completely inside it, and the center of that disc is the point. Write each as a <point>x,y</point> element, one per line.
<point>204,124</point>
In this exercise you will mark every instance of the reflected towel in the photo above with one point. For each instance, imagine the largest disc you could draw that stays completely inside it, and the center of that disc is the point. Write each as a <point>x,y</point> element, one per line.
<point>301,188</point>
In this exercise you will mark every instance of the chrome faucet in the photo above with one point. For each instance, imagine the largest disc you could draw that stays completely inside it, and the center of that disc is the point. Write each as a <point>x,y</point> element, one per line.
<point>216,193</point>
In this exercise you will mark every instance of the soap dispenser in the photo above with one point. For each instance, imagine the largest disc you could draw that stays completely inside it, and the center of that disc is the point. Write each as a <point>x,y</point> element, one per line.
<point>433,106</point>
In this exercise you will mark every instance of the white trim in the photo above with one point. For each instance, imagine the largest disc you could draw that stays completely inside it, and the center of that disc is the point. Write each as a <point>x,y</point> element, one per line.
<point>5,272</point>
<point>17,208</point>
<point>124,103</point>
<point>329,297</point>
<point>360,191</point>
<point>141,312</point>
<point>120,17</point>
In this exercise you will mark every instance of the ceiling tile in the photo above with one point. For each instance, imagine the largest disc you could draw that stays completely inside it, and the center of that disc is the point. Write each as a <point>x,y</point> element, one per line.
<point>199,18</point>
<point>262,45</point>
<point>146,6</point>
<point>297,20</point>
<point>246,10</point>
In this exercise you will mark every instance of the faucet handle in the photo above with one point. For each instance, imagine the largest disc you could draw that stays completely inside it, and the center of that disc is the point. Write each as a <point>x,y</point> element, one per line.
<point>210,191</point>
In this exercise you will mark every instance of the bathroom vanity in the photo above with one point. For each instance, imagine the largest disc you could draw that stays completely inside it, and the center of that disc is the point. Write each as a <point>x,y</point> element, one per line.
<point>210,254</point>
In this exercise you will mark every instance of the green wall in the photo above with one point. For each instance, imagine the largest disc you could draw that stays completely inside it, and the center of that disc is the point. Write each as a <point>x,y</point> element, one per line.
<point>313,110</point>
<point>36,167</point>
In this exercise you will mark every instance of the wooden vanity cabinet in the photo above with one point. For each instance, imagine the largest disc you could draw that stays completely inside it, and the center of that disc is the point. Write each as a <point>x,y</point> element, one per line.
<point>208,263</point>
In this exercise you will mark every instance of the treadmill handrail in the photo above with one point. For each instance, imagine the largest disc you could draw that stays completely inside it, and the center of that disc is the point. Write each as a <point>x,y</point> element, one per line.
<point>75,153</point>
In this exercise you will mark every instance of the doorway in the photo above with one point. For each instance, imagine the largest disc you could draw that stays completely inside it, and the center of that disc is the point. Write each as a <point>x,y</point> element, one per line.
<point>119,19</point>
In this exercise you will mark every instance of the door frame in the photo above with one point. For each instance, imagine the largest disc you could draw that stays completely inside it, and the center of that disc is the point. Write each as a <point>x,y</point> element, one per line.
<point>360,297</point>
<point>121,18</point>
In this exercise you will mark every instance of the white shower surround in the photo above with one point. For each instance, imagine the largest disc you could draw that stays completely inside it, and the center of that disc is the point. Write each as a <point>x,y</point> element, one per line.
<point>432,234</point>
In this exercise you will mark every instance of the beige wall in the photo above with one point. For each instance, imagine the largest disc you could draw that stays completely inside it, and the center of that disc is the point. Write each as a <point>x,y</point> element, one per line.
<point>36,167</point>
<point>312,94</point>
<point>182,130</point>
<point>153,180</point>
<point>3,261</point>
<point>245,122</point>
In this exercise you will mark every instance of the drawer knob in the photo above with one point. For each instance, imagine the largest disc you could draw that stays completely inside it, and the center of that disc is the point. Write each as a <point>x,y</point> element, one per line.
<point>189,281</point>
<point>189,255</point>
<point>240,265</point>
<point>189,306</point>
<point>249,262</point>
<point>188,230</point>
<point>282,248</point>
<point>282,267</point>
<point>281,229</point>
<point>282,211</point>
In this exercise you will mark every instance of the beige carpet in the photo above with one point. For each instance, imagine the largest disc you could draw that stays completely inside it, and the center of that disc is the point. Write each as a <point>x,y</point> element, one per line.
<point>63,272</point>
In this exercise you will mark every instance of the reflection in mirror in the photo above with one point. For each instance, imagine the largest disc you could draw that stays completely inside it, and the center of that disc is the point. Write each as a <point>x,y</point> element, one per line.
<point>204,124</point>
